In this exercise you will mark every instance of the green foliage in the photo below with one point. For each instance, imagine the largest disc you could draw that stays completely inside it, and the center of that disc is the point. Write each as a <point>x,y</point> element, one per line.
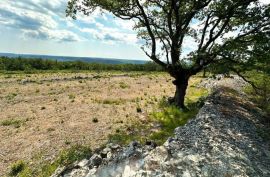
<point>167,23</point>
<point>261,95</point>
<point>123,85</point>
<point>75,153</point>
<point>17,168</point>
<point>12,122</point>
<point>112,101</point>
<point>122,137</point>
<point>30,65</point>
<point>11,96</point>
<point>166,118</point>
<point>169,118</point>
<point>65,158</point>
<point>71,96</point>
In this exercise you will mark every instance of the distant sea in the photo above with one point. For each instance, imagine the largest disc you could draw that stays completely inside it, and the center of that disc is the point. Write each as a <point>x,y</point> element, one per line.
<point>83,59</point>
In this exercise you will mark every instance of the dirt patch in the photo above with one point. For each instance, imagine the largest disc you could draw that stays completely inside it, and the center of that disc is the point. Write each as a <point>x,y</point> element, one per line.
<point>44,113</point>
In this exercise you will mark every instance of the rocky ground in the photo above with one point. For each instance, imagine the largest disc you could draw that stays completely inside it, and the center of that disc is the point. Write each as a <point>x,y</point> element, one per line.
<point>222,140</point>
<point>43,114</point>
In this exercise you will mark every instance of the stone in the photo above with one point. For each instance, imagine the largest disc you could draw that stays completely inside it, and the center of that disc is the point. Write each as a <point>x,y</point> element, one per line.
<point>58,171</point>
<point>115,146</point>
<point>83,163</point>
<point>95,160</point>
<point>104,152</point>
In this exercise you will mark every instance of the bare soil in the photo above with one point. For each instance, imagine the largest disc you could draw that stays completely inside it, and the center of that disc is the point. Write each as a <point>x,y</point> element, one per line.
<point>41,114</point>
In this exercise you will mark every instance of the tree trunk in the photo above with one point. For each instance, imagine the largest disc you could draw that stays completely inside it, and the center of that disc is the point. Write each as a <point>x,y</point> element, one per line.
<point>204,73</point>
<point>180,93</point>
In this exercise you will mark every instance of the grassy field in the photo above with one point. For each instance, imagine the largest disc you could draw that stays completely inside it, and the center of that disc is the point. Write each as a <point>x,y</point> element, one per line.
<point>42,114</point>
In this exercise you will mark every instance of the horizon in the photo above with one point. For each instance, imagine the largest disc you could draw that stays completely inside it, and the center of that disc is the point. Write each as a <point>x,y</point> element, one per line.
<point>50,55</point>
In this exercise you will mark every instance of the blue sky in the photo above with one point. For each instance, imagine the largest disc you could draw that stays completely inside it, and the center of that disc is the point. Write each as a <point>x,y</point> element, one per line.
<point>40,27</point>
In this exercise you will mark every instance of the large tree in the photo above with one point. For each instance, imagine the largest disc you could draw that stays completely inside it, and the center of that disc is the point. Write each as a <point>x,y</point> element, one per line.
<point>213,28</point>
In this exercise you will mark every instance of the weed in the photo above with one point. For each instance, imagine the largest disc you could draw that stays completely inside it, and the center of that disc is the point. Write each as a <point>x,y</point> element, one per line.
<point>71,96</point>
<point>51,129</point>
<point>12,122</point>
<point>65,158</point>
<point>111,101</point>
<point>17,168</point>
<point>139,109</point>
<point>260,96</point>
<point>169,118</point>
<point>11,96</point>
<point>67,142</point>
<point>123,85</point>
<point>95,120</point>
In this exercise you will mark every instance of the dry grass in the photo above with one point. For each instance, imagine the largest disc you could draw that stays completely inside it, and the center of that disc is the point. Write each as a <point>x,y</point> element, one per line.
<point>60,109</point>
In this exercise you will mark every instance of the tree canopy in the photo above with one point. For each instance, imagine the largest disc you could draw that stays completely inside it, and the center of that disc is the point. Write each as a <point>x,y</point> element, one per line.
<point>185,36</point>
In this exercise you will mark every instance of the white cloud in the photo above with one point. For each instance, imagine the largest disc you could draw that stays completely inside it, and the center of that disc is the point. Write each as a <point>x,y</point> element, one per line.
<point>111,35</point>
<point>49,34</point>
<point>265,1</point>
<point>46,20</point>
<point>30,18</point>
<point>125,24</point>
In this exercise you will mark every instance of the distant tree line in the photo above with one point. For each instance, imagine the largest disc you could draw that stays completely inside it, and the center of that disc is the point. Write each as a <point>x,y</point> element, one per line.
<point>25,64</point>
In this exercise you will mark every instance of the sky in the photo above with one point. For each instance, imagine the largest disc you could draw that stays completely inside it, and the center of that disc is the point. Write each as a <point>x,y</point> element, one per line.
<point>41,27</point>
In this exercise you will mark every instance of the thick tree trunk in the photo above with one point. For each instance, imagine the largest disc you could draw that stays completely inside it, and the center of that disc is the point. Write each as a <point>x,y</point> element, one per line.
<point>180,93</point>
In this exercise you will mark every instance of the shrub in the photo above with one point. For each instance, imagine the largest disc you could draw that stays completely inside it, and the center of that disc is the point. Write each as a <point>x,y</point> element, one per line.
<point>17,167</point>
<point>261,96</point>
<point>75,153</point>
<point>139,109</point>
<point>95,120</point>
<point>65,158</point>
<point>123,85</point>
<point>12,122</point>
<point>11,96</point>
<point>71,96</point>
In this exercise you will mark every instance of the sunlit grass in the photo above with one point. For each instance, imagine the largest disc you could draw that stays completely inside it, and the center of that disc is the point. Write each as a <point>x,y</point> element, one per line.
<point>167,116</point>
<point>65,158</point>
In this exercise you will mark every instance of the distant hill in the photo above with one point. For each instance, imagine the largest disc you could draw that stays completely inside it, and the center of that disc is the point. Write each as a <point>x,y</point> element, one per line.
<point>83,59</point>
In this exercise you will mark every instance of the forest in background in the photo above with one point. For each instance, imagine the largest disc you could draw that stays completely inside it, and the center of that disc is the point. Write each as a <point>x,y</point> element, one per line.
<point>27,64</point>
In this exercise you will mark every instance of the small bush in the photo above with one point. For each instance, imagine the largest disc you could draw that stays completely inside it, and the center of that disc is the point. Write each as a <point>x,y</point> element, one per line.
<point>95,120</point>
<point>112,101</point>
<point>71,96</point>
<point>12,122</point>
<point>11,96</point>
<point>17,168</point>
<point>123,85</point>
<point>261,96</point>
<point>139,109</point>
<point>169,118</point>
<point>65,158</point>
<point>75,153</point>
